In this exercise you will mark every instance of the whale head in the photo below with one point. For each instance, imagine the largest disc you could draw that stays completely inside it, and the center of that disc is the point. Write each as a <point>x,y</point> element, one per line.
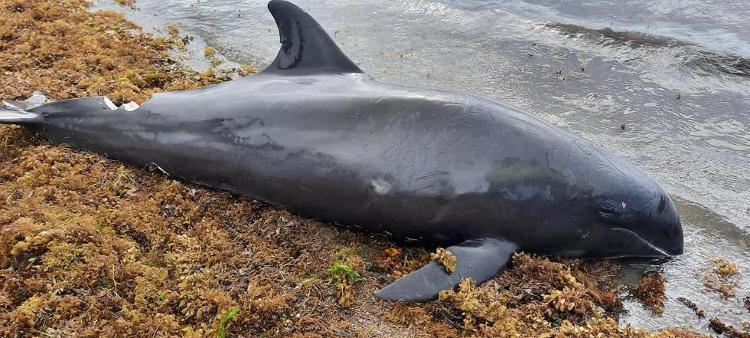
<point>558,194</point>
<point>627,213</point>
<point>638,220</point>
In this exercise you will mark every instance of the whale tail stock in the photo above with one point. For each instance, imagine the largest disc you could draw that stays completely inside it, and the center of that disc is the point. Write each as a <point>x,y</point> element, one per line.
<point>21,112</point>
<point>305,49</point>
<point>12,114</point>
<point>479,260</point>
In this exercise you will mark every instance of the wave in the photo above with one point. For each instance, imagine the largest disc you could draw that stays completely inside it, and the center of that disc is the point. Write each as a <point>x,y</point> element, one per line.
<point>692,55</point>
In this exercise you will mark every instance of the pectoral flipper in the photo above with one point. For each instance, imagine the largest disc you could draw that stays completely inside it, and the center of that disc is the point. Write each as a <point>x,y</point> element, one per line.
<point>476,259</point>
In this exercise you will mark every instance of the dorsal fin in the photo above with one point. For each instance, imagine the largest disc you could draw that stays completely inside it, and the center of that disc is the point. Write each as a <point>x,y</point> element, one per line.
<point>305,47</point>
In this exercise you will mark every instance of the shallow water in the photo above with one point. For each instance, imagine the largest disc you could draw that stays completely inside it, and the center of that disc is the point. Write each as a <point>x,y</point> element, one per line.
<point>675,73</point>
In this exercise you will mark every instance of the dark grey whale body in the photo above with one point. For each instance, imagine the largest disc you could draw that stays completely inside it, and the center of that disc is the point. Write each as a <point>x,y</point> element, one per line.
<point>315,134</point>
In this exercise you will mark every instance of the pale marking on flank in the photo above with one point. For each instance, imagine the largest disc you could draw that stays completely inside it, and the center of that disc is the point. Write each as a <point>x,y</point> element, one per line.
<point>381,186</point>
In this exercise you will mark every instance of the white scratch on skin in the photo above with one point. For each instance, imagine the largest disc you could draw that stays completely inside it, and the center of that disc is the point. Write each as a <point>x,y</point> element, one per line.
<point>130,106</point>
<point>110,104</point>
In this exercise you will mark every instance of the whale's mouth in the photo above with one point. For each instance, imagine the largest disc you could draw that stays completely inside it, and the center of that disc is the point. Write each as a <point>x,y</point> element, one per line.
<point>636,246</point>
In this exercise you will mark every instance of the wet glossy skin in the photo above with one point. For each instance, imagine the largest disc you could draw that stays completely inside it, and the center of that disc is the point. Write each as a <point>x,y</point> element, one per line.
<point>420,164</point>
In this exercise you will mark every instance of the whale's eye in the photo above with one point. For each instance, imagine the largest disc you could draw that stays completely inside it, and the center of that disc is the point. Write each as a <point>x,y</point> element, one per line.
<point>662,204</point>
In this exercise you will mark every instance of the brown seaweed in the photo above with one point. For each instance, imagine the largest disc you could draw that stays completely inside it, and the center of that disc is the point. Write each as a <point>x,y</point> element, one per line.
<point>91,247</point>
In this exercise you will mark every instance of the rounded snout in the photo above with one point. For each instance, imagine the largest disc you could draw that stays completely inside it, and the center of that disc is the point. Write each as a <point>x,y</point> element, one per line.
<point>643,225</point>
<point>665,231</point>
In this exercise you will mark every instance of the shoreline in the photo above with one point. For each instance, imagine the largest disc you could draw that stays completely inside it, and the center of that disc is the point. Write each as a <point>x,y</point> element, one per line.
<point>93,247</point>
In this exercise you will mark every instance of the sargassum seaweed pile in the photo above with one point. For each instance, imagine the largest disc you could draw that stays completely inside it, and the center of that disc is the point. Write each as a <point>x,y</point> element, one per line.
<point>92,247</point>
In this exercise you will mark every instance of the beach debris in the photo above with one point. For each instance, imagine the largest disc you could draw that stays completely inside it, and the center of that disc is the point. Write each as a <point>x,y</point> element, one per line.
<point>129,3</point>
<point>720,327</point>
<point>344,275</point>
<point>692,306</point>
<point>225,320</point>
<point>209,52</point>
<point>445,258</point>
<point>398,263</point>
<point>650,291</point>
<point>247,70</point>
<point>721,276</point>
<point>388,259</point>
<point>534,296</point>
<point>725,268</point>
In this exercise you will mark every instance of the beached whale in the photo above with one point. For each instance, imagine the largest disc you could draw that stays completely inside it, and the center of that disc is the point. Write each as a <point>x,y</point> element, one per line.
<point>315,134</point>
